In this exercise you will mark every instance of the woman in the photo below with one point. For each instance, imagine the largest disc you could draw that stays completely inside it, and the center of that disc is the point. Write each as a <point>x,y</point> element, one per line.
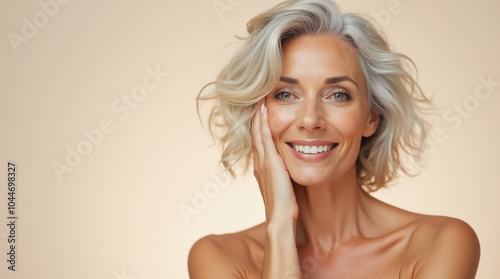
<point>327,111</point>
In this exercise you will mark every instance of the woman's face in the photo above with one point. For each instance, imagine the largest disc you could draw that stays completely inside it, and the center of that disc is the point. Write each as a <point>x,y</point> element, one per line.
<point>320,101</point>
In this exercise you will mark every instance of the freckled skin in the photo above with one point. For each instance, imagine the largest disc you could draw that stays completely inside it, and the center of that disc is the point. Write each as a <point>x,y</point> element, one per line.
<point>341,231</point>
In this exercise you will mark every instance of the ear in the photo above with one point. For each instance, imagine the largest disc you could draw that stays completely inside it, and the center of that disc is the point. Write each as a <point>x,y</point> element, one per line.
<point>371,123</point>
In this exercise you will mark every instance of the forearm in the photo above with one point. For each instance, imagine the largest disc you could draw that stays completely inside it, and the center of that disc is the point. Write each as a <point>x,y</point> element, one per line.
<point>281,259</point>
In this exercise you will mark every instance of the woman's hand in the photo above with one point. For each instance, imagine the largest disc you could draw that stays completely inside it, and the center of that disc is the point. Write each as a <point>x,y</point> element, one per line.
<point>280,256</point>
<point>270,170</point>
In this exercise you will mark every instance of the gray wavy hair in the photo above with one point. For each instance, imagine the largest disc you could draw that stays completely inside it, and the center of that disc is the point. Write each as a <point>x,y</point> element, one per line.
<point>255,69</point>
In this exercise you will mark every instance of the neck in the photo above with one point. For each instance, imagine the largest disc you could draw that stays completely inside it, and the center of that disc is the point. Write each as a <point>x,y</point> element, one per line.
<point>330,214</point>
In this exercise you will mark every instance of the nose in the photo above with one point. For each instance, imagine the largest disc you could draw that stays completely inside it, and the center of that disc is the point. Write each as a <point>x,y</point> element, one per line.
<point>311,116</point>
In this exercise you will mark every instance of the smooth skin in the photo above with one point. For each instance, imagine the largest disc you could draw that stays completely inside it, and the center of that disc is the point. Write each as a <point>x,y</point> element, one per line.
<point>319,221</point>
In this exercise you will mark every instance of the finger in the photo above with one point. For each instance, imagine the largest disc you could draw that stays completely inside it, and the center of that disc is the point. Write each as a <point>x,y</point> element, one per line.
<point>257,135</point>
<point>255,129</point>
<point>267,139</point>
<point>280,178</point>
<point>258,148</point>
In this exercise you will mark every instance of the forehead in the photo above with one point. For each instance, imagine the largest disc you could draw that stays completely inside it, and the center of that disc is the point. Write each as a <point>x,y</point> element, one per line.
<point>322,56</point>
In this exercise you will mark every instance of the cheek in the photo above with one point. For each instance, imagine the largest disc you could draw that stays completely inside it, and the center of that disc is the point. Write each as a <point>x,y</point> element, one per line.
<point>280,118</point>
<point>349,123</point>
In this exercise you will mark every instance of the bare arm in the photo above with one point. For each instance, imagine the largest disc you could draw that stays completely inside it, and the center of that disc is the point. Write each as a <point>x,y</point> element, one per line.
<point>281,259</point>
<point>207,259</point>
<point>280,256</point>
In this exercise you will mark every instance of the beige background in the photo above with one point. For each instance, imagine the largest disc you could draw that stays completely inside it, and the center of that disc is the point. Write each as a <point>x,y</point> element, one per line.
<point>116,214</point>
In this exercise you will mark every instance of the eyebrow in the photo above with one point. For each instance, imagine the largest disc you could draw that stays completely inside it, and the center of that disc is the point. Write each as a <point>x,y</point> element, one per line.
<point>327,81</point>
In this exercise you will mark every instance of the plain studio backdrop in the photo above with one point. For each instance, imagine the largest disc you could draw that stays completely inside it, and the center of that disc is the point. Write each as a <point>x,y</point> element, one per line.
<point>116,178</point>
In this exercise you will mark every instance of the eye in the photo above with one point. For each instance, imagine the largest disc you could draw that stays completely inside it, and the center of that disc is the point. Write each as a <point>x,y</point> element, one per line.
<point>283,95</point>
<point>341,95</point>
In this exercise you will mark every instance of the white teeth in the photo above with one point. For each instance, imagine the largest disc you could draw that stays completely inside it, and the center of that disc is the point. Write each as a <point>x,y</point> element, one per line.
<point>312,149</point>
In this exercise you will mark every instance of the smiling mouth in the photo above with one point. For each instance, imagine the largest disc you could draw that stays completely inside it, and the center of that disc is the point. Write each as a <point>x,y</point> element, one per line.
<point>312,149</point>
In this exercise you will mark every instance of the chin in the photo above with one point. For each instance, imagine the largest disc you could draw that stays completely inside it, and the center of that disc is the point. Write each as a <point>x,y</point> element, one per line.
<point>308,176</point>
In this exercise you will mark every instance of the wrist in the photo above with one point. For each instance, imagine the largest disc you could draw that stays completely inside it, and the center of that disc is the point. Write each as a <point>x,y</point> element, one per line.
<point>282,213</point>
<point>279,226</point>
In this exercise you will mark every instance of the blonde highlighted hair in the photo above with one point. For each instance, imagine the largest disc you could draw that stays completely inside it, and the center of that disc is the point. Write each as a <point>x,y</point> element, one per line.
<point>255,69</point>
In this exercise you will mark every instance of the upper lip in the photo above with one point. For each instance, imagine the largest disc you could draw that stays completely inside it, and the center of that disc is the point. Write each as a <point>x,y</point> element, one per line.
<point>311,142</point>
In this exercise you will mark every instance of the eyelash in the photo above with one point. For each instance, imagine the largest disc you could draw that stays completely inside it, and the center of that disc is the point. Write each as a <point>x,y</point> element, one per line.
<point>347,95</point>
<point>279,92</point>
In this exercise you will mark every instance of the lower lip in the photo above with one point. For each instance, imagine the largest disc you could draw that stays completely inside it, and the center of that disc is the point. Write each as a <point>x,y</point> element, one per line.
<point>310,157</point>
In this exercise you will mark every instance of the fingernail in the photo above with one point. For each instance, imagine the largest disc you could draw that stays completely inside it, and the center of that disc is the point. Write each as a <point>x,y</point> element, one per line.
<point>262,108</point>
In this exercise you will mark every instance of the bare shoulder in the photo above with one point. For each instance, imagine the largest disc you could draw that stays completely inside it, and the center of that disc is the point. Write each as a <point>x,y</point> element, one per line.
<point>435,246</point>
<point>433,232</point>
<point>206,258</point>
<point>447,248</point>
<point>232,255</point>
